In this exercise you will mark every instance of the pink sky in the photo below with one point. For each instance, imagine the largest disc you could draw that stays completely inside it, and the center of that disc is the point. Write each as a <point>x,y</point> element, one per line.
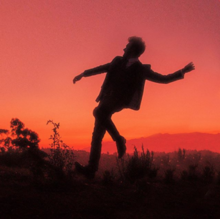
<point>44,44</point>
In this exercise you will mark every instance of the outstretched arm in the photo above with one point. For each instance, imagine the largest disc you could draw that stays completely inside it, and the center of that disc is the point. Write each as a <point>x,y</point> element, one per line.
<point>159,78</point>
<point>77,78</point>
<point>93,71</point>
<point>188,68</point>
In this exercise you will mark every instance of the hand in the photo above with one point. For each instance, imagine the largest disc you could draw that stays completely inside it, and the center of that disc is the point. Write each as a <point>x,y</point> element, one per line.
<point>77,78</point>
<point>188,68</point>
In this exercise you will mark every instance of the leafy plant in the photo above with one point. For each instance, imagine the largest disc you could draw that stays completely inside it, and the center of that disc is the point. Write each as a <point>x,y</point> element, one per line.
<point>61,155</point>
<point>20,148</point>
<point>23,138</point>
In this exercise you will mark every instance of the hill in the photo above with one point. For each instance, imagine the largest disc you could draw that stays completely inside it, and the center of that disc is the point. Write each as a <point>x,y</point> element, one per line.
<point>169,143</point>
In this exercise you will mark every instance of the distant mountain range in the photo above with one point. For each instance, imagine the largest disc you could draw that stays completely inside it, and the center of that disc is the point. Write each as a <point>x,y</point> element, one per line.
<point>169,143</point>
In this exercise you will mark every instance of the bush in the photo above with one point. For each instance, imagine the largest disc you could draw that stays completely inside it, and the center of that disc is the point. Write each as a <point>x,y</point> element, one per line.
<point>24,138</point>
<point>61,155</point>
<point>108,178</point>
<point>208,173</point>
<point>137,167</point>
<point>192,175</point>
<point>11,158</point>
<point>181,154</point>
<point>218,178</point>
<point>169,175</point>
<point>20,149</point>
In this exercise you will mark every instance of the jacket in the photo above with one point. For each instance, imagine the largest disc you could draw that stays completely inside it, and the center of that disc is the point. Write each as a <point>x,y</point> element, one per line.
<point>127,84</point>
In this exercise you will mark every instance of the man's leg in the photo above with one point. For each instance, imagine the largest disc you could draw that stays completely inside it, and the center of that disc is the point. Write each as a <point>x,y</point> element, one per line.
<point>95,152</point>
<point>103,122</point>
<point>103,114</point>
<point>96,145</point>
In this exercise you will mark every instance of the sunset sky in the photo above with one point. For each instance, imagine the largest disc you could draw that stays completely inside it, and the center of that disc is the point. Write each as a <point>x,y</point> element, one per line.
<point>44,44</point>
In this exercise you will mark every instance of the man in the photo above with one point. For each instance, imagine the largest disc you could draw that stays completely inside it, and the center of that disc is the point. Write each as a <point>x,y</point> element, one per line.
<point>122,88</point>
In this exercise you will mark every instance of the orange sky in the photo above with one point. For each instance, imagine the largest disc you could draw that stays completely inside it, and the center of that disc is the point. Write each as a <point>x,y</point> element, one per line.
<point>44,44</point>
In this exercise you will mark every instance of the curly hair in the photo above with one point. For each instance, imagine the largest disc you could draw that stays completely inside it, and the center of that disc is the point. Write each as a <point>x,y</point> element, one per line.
<point>138,45</point>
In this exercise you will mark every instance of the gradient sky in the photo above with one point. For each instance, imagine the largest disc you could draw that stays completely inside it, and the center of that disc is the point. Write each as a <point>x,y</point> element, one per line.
<point>45,43</point>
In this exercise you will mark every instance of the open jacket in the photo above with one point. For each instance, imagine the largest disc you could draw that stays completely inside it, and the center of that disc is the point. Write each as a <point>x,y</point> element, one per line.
<point>127,83</point>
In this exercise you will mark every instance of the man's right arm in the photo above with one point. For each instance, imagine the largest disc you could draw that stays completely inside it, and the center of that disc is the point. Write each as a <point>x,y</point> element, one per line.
<point>93,71</point>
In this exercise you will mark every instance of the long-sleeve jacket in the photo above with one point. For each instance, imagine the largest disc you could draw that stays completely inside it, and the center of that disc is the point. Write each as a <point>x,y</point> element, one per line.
<point>127,84</point>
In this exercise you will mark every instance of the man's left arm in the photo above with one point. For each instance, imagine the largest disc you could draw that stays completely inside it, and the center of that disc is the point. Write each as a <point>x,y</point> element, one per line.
<point>165,79</point>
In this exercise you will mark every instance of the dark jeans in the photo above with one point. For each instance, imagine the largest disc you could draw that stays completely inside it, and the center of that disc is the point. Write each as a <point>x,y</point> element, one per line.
<point>103,123</point>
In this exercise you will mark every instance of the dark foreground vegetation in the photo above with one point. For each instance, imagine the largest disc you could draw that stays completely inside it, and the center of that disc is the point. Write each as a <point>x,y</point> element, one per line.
<point>43,184</point>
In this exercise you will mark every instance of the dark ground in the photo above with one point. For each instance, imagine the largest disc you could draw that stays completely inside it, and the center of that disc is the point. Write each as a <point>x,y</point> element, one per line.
<point>22,197</point>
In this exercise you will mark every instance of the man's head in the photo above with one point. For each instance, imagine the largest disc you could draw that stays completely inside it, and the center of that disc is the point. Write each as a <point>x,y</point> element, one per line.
<point>134,48</point>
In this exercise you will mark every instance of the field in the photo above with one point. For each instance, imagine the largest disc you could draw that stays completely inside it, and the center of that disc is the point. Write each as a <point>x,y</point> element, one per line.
<point>109,195</point>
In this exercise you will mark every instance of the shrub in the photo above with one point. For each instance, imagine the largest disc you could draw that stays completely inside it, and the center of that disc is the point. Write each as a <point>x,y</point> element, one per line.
<point>24,138</point>
<point>184,175</point>
<point>61,155</point>
<point>20,149</point>
<point>208,173</point>
<point>11,158</point>
<point>107,178</point>
<point>169,175</point>
<point>192,172</point>
<point>218,178</point>
<point>137,167</point>
<point>181,154</point>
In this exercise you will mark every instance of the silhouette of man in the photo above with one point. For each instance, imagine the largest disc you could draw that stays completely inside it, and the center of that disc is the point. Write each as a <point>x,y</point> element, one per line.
<point>122,88</point>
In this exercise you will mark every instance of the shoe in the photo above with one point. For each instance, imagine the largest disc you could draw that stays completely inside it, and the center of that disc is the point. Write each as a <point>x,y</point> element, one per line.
<point>87,171</point>
<point>121,146</point>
